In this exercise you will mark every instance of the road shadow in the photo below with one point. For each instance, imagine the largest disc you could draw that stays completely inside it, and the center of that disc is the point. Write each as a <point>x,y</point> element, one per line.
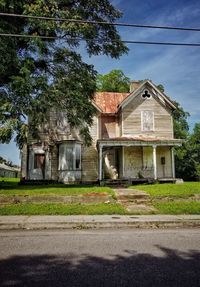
<point>173,268</point>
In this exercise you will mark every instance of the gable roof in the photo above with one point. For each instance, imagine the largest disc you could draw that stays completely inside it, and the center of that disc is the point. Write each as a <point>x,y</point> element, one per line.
<point>111,102</point>
<point>154,90</point>
<point>108,102</point>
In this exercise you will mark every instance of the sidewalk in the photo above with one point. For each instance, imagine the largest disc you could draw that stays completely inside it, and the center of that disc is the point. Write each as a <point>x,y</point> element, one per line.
<point>98,221</point>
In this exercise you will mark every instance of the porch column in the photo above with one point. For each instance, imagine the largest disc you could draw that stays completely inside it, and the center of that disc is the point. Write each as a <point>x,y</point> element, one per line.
<point>100,162</point>
<point>173,163</point>
<point>154,162</point>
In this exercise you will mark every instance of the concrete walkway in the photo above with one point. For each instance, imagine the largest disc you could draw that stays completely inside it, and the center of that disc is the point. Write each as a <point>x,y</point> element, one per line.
<point>98,221</point>
<point>135,201</point>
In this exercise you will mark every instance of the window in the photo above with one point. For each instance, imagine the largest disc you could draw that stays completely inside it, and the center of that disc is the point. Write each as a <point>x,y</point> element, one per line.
<point>39,160</point>
<point>78,156</point>
<point>69,156</point>
<point>147,120</point>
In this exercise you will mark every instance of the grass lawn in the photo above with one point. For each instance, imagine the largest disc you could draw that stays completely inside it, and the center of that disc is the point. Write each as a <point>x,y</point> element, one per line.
<point>184,190</point>
<point>166,198</point>
<point>11,187</point>
<point>61,209</point>
<point>173,198</point>
<point>177,207</point>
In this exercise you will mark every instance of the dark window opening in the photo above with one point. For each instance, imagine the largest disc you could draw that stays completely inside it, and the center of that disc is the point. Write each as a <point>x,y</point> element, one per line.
<point>39,161</point>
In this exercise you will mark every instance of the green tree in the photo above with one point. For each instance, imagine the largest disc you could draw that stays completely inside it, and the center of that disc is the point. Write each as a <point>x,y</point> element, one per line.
<point>39,74</point>
<point>195,147</point>
<point>188,156</point>
<point>181,127</point>
<point>115,81</point>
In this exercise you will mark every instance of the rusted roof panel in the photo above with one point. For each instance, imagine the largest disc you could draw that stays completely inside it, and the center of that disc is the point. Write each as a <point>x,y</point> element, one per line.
<point>108,101</point>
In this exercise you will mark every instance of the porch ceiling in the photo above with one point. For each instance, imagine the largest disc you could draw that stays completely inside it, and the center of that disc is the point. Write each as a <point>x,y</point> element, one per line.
<point>139,141</point>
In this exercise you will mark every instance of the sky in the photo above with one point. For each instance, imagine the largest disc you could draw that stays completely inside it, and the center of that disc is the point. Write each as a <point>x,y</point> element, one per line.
<point>176,68</point>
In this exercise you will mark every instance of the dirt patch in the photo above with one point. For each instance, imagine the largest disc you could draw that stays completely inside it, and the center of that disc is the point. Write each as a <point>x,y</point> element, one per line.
<point>86,198</point>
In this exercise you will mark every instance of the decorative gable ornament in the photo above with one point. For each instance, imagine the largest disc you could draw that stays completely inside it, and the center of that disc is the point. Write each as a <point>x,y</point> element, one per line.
<point>146,95</point>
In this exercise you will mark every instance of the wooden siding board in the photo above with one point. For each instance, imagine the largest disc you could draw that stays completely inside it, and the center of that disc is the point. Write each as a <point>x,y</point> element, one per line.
<point>89,163</point>
<point>108,126</point>
<point>132,118</point>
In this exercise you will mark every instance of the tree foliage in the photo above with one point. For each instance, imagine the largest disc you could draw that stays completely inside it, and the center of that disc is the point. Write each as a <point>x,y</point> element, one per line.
<point>188,156</point>
<point>114,81</point>
<point>38,74</point>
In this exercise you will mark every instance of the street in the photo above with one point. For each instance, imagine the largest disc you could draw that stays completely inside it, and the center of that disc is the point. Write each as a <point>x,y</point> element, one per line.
<point>123,257</point>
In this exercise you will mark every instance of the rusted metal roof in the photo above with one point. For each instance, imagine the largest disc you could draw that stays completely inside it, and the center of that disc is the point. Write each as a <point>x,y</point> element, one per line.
<point>108,101</point>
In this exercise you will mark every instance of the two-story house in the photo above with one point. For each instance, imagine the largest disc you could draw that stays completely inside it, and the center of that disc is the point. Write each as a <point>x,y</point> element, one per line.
<point>132,138</point>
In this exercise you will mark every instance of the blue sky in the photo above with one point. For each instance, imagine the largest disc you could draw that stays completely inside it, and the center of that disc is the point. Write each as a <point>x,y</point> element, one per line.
<point>177,68</point>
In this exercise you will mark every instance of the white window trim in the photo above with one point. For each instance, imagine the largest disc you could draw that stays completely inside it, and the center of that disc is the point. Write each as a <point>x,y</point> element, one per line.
<point>142,126</point>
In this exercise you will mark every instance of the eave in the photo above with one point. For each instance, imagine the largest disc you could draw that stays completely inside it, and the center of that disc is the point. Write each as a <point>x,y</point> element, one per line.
<point>139,142</point>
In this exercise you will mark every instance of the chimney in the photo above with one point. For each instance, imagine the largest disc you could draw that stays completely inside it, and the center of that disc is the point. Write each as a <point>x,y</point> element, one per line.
<point>134,85</point>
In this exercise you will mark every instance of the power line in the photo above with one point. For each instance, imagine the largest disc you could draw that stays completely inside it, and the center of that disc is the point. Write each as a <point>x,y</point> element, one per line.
<point>81,39</point>
<point>59,19</point>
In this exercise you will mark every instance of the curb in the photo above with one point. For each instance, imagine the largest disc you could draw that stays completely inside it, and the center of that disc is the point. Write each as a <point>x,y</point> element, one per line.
<point>90,222</point>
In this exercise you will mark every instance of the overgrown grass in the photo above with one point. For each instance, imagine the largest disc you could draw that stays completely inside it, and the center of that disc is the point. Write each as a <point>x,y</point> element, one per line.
<point>61,209</point>
<point>177,207</point>
<point>184,190</point>
<point>11,187</point>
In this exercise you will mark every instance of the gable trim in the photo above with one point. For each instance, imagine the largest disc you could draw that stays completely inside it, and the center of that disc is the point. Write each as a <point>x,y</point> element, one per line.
<point>127,100</point>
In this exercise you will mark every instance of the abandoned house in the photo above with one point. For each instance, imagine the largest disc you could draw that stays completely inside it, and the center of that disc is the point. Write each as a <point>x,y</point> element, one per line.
<point>132,138</point>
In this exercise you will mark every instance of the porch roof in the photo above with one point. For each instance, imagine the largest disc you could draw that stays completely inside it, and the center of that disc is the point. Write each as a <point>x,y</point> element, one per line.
<point>139,141</point>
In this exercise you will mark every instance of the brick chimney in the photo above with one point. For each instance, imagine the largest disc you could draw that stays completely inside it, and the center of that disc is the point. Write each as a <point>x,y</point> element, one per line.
<point>134,85</point>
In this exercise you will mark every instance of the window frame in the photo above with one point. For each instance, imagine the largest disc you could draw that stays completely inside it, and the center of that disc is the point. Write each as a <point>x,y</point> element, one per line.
<point>74,154</point>
<point>142,121</point>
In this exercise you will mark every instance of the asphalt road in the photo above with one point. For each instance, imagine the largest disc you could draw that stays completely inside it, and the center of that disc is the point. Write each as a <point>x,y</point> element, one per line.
<point>111,258</point>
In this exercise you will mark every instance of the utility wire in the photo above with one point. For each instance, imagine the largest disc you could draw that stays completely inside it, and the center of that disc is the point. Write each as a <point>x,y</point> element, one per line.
<point>101,22</point>
<point>81,39</point>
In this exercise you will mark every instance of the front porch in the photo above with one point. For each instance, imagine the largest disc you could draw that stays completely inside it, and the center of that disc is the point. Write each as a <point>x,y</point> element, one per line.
<point>136,160</point>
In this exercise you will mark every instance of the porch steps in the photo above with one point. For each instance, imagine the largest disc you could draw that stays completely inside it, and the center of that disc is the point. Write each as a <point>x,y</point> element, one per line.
<point>126,182</point>
<point>115,182</point>
<point>135,201</point>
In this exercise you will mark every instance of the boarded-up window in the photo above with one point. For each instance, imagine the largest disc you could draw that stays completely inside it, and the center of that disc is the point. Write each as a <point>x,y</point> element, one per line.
<point>39,161</point>
<point>69,156</point>
<point>147,119</point>
<point>147,157</point>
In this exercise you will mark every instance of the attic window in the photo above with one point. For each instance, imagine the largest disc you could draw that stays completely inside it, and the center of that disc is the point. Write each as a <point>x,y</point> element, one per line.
<point>147,120</point>
<point>146,95</point>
